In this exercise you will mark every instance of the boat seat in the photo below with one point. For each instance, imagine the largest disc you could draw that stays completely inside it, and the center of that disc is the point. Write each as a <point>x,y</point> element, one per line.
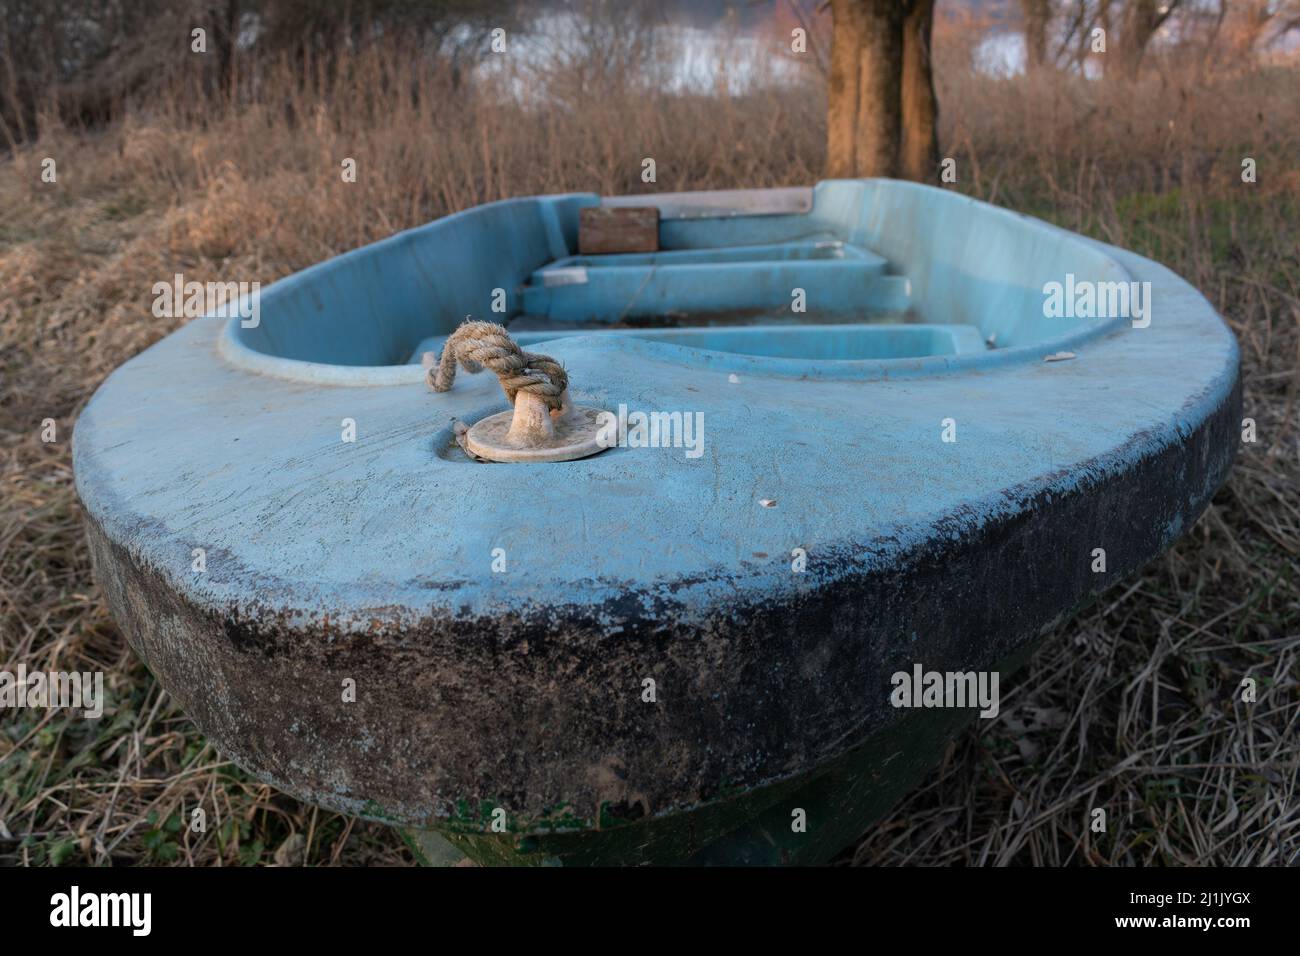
<point>741,283</point>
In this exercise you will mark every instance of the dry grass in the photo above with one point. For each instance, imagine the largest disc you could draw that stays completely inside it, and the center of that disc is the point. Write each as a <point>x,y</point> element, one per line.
<point>1132,706</point>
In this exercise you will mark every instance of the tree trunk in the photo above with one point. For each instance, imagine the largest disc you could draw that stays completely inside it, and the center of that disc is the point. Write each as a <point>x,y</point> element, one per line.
<point>1142,18</point>
<point>1251,27</point>
<point>864,112</point>
<point>1036,14</point>
<point>225,32</point>
<point>919,158</point>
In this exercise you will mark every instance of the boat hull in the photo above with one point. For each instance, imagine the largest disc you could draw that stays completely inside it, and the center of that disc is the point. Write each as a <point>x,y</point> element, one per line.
<point>970,596</point>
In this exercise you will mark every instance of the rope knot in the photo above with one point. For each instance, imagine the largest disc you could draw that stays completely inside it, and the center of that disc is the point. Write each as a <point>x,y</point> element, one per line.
<point>478,345</point>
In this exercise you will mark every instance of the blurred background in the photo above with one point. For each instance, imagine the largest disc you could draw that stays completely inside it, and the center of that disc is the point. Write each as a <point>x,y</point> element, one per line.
<point>224,164</point>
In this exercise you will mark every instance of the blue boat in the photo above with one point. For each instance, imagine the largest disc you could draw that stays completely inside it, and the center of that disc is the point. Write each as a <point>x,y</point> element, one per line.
<point>852,436</point>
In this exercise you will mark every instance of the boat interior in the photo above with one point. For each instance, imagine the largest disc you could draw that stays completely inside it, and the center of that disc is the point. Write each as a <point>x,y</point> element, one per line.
<point>847,271</point>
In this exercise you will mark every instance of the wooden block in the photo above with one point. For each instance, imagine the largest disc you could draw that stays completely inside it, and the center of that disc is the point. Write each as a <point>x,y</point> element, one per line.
<point>608,229</point>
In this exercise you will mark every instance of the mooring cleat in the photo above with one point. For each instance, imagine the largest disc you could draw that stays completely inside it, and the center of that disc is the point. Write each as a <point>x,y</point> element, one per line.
<point>544,424</point>
<point>533,432</point>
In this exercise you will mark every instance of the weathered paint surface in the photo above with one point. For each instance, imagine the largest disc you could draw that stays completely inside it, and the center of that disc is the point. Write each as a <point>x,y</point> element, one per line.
<point>746,827</point>
<point>522,690</point>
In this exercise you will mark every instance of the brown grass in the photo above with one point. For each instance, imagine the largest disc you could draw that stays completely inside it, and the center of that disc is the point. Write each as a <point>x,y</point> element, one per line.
<point>1132,706</point>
